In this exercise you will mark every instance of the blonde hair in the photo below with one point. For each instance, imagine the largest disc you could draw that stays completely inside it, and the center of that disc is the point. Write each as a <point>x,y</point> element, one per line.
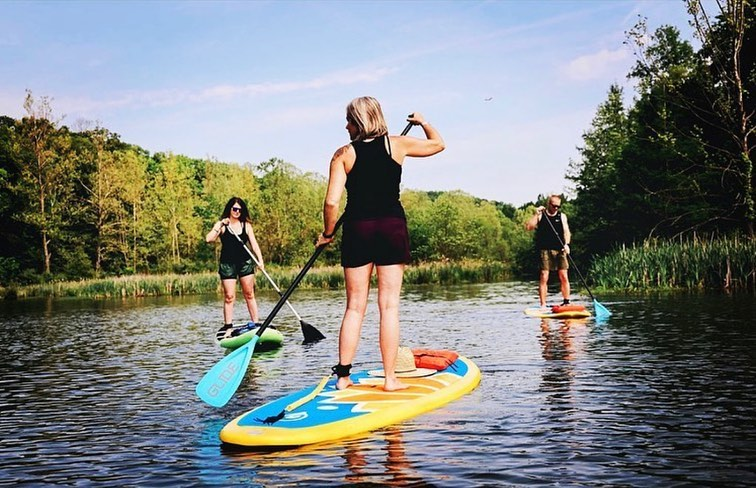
<point>366,114</point>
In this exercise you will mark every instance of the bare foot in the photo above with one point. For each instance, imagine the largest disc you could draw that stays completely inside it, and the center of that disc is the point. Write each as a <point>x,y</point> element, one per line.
<point>343,383</point>
<point>394,385</point>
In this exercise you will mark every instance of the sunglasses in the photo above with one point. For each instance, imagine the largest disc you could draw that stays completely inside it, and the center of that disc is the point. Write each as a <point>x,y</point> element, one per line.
<point>236,209</point>
<point>555,206</point>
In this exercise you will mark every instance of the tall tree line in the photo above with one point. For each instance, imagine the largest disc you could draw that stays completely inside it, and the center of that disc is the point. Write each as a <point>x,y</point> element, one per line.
<point>86,204</point>
<point>679,159</point>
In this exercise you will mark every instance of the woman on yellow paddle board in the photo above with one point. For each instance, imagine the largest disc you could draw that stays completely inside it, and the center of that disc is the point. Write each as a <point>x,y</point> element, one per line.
<point>375,226</point>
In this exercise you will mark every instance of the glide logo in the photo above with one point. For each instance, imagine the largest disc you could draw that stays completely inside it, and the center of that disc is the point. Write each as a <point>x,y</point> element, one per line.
<point>223,379</point>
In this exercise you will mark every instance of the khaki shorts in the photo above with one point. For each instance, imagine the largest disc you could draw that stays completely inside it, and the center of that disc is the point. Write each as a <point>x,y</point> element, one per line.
<point>552,260</point>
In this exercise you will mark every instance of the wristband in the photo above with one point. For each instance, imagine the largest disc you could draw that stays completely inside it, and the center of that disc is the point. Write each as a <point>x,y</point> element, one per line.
<point>327,236</point>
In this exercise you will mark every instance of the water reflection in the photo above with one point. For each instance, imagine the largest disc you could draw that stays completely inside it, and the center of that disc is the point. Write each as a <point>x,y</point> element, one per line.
<point>396,466</point>
<point>374,459</point>
<point>562,346</point>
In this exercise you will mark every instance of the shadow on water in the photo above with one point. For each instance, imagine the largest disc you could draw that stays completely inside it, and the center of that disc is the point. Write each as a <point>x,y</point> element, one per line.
<point>662,393</point>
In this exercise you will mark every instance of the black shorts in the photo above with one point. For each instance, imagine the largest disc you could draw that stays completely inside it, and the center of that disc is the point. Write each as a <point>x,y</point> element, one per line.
<point>231,271</point>
<point>381,241</point>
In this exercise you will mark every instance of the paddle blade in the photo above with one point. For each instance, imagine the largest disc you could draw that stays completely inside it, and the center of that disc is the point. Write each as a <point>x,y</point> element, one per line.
<point>220,383</point>
<point>601,311</point>
<point>311,334</point>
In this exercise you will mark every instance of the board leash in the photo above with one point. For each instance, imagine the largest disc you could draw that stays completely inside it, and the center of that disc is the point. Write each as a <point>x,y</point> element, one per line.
<point>294,405</point>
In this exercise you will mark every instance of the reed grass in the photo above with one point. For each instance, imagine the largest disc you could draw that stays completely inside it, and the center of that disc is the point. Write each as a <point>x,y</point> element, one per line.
<point>727,263</point>
<point>325,277</point>
<point>125,286</point>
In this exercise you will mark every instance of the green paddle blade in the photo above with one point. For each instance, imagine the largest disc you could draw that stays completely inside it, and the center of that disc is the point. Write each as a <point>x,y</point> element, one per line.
<point>220,383</point>
<point>601,311</point>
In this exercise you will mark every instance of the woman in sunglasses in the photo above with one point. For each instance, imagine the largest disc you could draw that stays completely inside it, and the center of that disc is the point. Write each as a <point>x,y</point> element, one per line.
<point>235,232</point>
<point>553,243</point>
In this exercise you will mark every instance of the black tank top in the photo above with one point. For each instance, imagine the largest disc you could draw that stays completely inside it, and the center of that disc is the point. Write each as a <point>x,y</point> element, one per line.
<point>232,250</point>
<point>545,237</point>
<point>373,183</point>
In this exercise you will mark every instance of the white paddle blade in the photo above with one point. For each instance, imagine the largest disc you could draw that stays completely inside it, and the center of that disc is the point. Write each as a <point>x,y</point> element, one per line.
<point>220,383</point>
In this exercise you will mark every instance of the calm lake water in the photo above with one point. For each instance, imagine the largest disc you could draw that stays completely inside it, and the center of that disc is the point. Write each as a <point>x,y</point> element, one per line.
<point>662,394</point>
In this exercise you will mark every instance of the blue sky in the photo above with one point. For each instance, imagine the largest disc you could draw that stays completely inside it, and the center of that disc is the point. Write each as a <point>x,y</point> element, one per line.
<point>511,85</point>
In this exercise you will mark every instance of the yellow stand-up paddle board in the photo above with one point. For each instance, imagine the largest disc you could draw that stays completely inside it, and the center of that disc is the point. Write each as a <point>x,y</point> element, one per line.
<point>333,414</point>
<point>563,312</point>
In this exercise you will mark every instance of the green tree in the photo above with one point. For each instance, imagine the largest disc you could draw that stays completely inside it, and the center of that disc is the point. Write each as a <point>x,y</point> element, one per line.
<point>728,61</point>
<point>694,123</point>
<point>174,230</point>
<point>595,175</point>
<point>130,180</point>
<point>291,205</point>
<point>13,255</point>
<point>100,183</point>
<point>463,228</point>
<point>417,205</point>
<point>46,174</point>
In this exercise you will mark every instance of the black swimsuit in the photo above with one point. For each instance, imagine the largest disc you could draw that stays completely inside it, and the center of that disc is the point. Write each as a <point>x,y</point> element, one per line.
<point>375,227</point>
<point>234,260</point>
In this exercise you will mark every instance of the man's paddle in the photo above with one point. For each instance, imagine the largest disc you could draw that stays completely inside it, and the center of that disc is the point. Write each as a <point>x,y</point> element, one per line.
<point>601,311</point>
<point>311,334</point>
<point>221,382</point>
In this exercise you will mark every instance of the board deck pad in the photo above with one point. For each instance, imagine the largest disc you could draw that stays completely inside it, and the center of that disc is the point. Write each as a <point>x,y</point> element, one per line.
<point>335,414</point>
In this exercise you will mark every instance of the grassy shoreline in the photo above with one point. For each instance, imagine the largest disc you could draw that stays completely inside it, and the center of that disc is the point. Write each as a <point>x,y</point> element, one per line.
<point>325,277</point>
<point>725,263</point>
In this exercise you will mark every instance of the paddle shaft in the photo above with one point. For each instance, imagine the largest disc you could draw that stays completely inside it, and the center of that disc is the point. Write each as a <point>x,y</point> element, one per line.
<point>251,254</point>
<point>295,283</point>
<point>568,255</point>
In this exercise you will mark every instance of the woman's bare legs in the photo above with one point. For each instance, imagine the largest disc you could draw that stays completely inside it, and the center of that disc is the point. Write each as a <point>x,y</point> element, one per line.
<point>389,288</point>
<point>248,288</point>
<point>357,288</point>
<point>229,295</point>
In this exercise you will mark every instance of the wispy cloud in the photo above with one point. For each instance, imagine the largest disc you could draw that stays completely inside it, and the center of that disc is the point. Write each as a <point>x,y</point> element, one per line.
<point>225,92</point>
<point>597,65</point>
